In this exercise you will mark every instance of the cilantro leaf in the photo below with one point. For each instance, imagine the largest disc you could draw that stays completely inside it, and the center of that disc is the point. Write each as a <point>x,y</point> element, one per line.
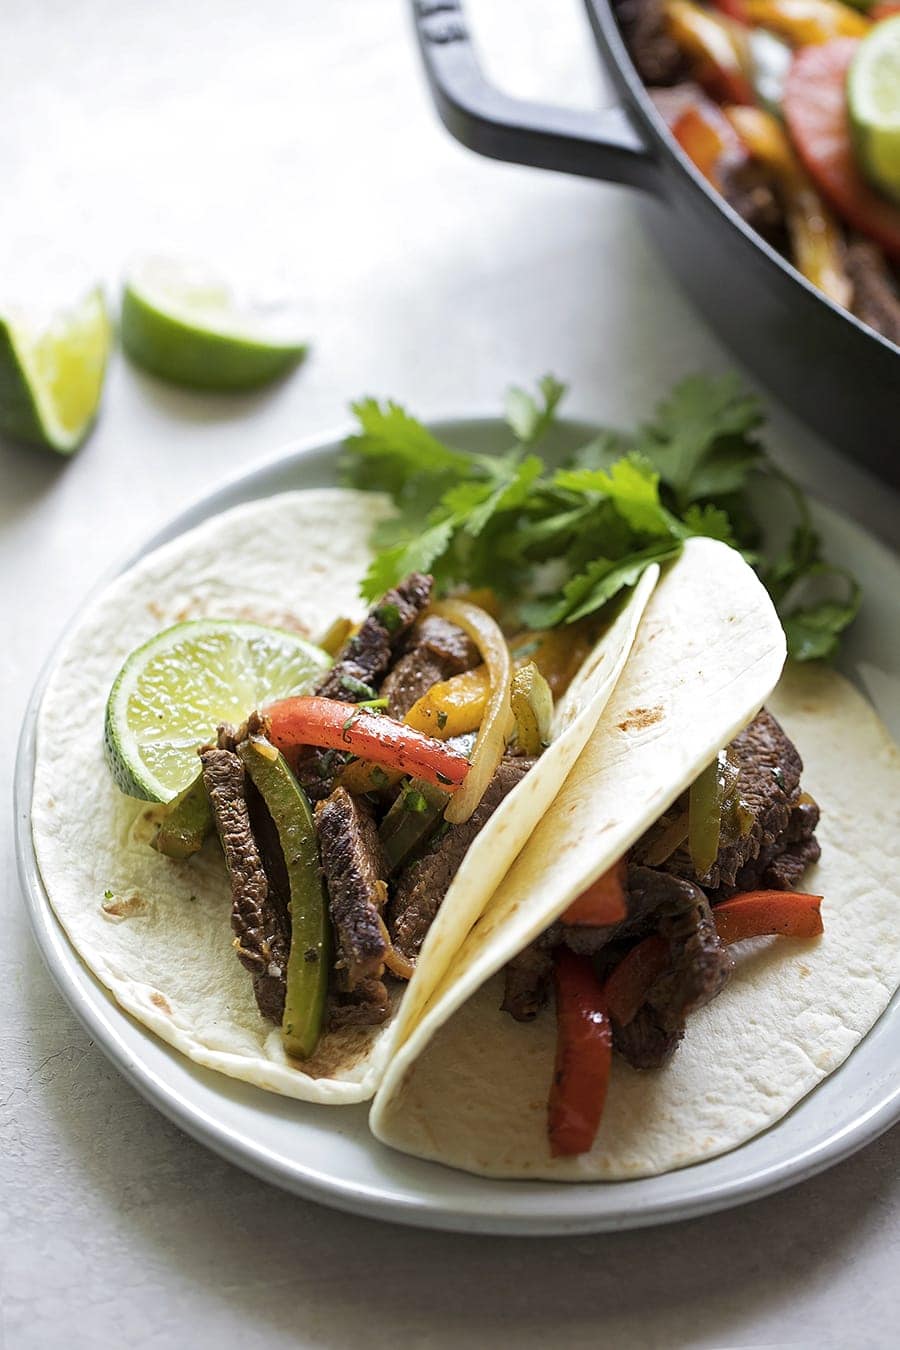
<point>699,439</point>
<point>527,420</point>
<point>416,554</point>
<point>591,589</point>
<point>562,540</point>
<point>632,485</point>
<point>392,446</point>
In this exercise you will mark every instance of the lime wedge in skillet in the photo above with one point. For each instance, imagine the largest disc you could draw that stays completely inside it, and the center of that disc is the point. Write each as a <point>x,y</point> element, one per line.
<point>873,94</point>
<point>183,324</point>
<point>51,375</point>
<point>171,694</point>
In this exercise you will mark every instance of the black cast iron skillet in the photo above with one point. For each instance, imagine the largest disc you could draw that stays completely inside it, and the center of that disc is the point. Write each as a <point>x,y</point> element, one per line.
<point>832,370</point>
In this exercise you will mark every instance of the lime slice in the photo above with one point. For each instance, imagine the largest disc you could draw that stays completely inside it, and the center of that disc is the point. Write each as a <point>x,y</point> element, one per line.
<point>51,377</point>
<point>172,693</point>
<point>873,93</point>
<point>184,325</point>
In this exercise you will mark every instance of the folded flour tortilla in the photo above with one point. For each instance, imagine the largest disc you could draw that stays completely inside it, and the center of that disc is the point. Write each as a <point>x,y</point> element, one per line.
<point>157,932</point>
<point>469,1085</point>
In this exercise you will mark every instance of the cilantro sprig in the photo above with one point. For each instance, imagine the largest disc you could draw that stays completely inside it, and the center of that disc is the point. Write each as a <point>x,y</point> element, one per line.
<point>561,539</point>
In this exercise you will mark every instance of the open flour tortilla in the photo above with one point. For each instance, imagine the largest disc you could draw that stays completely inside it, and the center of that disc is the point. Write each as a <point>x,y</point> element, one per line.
<point>157,932</point>
<point>472,1090</point>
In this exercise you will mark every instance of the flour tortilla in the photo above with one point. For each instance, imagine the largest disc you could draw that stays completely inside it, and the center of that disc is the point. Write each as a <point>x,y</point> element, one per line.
<point>470,1086</point>
<point>157,932</point>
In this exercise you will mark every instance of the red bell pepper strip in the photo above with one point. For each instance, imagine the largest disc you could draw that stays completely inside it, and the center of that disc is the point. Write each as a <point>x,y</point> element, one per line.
<point>334,725</point>
<point>763,913</point>
<point>603,902</point>
<point>815,109</point>
<point>734,9</point>
<point>627,986</point>
<point>707,137</point>
<point>887,10</point>
<point>583,1056</point>
<point>752,914</point>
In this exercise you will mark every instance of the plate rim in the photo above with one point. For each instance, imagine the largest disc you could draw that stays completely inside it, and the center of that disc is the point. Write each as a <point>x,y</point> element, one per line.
<point>99,1014</point>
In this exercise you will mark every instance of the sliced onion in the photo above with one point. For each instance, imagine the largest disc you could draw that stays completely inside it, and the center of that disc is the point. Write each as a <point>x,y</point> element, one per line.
<point>497,721</point>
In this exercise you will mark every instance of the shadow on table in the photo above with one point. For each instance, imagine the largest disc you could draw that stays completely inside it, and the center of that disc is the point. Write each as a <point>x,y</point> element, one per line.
<point>242,1254</point>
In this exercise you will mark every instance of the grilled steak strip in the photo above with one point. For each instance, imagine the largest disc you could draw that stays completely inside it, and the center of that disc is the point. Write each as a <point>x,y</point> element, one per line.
<point>423,884</point>
<point>656,55</point>
<point>435,650</point>
<point>261,941</point>
<point>354,869</point>
<point>359,669</point>
<point>527,982</point>
<point>364,659</point>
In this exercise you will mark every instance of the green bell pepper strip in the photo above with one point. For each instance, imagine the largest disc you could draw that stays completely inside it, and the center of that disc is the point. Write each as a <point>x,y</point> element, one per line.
<point>309,960</point>
<point>187,822</point>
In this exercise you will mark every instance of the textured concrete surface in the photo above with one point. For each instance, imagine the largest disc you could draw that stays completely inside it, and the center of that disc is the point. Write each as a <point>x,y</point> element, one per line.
<point>292,141</point>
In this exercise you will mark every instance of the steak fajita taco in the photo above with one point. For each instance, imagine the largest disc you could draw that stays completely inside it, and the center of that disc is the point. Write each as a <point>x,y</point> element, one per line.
<point>694,936</point>
<point>333,837</point>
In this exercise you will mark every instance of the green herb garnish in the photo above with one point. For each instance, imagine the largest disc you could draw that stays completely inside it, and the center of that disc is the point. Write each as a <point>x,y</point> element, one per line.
<point>561,540</point>
<point>351,685</point>
<point>442,719</point>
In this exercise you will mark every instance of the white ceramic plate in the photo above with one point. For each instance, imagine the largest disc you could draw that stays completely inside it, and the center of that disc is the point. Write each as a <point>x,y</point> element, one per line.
<point>328,1154</point>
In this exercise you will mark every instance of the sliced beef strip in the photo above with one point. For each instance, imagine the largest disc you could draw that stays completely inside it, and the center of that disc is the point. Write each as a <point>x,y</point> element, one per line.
<point>749,189</point>
<point>354,869</point>
<point>769,788</point>
<point>656,55</point>
<point>527,982</point>
<point>645,1042</point>
<point>699,968</point>
<point>649,895</point>
<point>261,941</point>
<point>423,884</point>
<point>435,650</point>
<point>365,658</point>
<point>358,670</point>
<point>876,299</point>
<point>780,866</point>
<point>365,1006</point>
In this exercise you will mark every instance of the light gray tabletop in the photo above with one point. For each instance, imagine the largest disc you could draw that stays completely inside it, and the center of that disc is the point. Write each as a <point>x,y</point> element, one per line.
<point>292,142</point>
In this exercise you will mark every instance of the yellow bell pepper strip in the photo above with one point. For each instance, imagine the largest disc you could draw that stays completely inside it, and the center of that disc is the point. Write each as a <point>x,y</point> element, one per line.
<point>452,707</point>
<point>334,725</point>
<point>558,653</point>
<point>335,635</point>
<point>808,23</point>
<point>532,705</point>
<point>817,245</point>
<point>714,49</point>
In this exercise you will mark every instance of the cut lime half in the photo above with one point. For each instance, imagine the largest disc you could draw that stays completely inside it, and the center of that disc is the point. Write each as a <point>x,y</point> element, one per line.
<point>51,375</point>
<point>873,95</point>
<point>183,324</point>
<point>172,693</point>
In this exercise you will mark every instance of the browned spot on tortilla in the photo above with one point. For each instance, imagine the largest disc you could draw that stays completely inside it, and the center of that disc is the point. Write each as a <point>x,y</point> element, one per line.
<point>160,1001</point>
<point>804,970</point>
<point>154,608</point>
<point>338,1050</point>
<point>125,907</point>
<point>636,719</point>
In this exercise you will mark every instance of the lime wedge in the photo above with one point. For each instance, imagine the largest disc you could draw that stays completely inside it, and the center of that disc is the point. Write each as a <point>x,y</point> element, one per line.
<point>873,94</point>
<point>172,693</point>
<point>183,324</point>
<point>51,376</point>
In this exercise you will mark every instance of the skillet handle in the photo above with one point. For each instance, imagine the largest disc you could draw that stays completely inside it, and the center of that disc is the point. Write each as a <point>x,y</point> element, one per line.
<point>602,144</point>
